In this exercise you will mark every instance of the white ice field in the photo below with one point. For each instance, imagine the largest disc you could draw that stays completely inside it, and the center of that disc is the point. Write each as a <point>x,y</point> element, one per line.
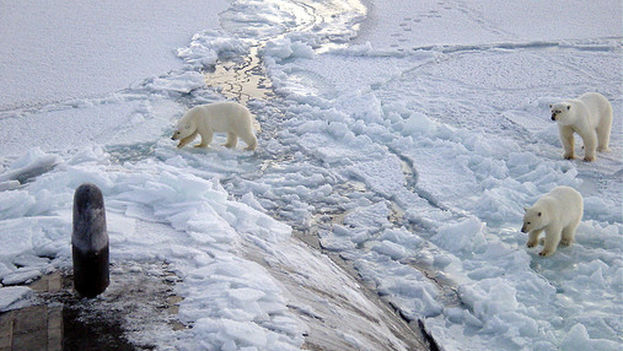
<point>399,147</point>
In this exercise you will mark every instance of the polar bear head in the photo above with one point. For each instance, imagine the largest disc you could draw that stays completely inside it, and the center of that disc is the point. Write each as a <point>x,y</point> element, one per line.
<point>534,219</point>
<point>562,113</point>
<point>185,128</point>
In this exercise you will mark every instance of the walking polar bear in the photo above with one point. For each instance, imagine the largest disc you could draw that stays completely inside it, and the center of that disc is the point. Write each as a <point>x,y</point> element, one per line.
<point>224,117</point>
<point>558,213</point>
<point>590,115</point>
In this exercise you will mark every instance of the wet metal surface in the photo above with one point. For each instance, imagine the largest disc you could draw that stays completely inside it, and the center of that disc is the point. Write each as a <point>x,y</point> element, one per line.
<point>140,296</point>
<point>32,328</point>
<point>36,327</point>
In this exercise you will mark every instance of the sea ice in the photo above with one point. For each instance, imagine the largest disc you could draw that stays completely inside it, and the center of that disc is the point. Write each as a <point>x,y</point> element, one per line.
<point>12,297</point>
<point>409,146</point>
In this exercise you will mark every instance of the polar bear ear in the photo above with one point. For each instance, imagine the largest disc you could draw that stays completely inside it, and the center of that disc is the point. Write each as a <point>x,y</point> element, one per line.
<point>525,209</point>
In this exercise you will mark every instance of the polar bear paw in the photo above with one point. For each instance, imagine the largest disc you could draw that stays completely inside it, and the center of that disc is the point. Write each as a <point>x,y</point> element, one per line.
<point>566,242</point>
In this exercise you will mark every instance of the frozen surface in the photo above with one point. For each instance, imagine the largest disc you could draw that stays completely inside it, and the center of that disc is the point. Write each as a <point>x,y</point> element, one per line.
<point>55,51</point>
<point>404,137</point>
<point>14,297</point>
<point>405,25</point>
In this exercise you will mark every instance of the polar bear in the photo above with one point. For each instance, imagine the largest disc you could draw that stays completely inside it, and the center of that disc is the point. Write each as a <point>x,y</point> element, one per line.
<point>225,117</point>
<point>558,213</point>
<point>590,115</point>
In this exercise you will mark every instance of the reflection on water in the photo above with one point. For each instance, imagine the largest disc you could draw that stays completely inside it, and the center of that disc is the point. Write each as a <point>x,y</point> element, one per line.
<point>328,22</point>
<point>241,81</point>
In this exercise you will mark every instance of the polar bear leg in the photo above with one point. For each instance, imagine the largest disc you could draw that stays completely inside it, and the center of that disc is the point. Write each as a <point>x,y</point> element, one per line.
<point>187,140</point>
<point>603,132</point>
<point>590,145</point>
<point>250,140</point>
<point>566,137</point>
<point>252,145</point>
<point>206,139</point>
<point>232,140</point>
<point>568,233</point>
<point>567,236</point>
<point>533,237</point>
<point>552,238</point>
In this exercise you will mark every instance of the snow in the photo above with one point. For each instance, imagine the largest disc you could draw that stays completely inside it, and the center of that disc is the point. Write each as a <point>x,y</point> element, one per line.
<point>206,47</point>
<point>578,339</point>
<point>406,24</point>
<point>405,136</point>
<point>58,51</point>
<point>13,297</point>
